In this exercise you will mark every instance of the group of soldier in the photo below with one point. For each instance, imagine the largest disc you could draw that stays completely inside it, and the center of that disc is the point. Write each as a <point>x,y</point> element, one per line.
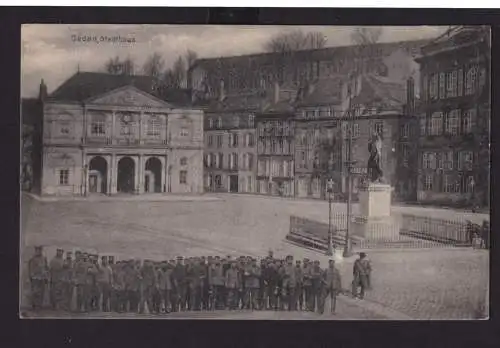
<point>193,284</point>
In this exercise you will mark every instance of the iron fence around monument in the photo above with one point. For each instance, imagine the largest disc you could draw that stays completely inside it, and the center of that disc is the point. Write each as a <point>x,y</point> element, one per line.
<point>406,231</point>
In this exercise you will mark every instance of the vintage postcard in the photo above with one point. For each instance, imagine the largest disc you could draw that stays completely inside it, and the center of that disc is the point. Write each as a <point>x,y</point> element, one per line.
<point>255,172</point>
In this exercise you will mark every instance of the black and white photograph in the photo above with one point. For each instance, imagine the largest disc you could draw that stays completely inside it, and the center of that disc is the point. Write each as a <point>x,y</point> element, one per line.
<point>255,172</point>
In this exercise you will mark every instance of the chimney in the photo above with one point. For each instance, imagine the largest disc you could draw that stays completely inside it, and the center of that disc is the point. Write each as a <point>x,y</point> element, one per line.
<point>42,95</point>
<point>276,92</point>
<point>222,91</point>
<point>410,95</point>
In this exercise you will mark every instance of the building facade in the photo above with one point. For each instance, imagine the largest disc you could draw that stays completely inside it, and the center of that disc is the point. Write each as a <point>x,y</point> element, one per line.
<point>230,151</point>
<point>275,148</point>
<point>107,134</point>
<point>454,118</point>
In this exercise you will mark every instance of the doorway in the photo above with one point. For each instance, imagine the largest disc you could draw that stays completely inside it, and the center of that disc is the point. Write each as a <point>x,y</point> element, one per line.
<point>126,175</point>
<point>97,180</point>
<point>152,176</point>
<point>233,183</point>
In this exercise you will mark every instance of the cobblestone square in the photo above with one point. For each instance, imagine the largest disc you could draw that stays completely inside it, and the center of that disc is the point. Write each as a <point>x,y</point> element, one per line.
<point>441,283</point>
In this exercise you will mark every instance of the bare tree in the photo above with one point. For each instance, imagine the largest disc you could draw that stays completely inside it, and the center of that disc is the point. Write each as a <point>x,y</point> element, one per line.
<point>286,45</point>
<point>116,66</point>
<point>190,57</point>
<point>365,39</point>
<point>154,65</point>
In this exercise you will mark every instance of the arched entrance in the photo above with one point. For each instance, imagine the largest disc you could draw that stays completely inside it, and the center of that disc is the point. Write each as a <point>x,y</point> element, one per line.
<point>152,175</point>
<point>98,172</point>
<point>126,175</point>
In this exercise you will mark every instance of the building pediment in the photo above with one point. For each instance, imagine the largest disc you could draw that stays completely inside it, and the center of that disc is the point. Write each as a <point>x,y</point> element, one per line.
<point>129,96</point>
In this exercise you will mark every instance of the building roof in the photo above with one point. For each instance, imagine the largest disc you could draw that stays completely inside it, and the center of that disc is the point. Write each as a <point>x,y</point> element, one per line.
<point>84,85</point>
<point>247,102</point>
<point>384,48</point>
<point>325,91</point>
<point>376,90</point>
<point>30,111</point>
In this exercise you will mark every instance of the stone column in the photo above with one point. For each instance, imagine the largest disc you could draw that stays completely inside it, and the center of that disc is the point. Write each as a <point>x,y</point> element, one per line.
<point>136,172</point>
<point>141,173</point>
<point>141,120</point>
<point>109,174</point>
<point>113,127</point>
<point>113,174</point>
<point>163,173</point>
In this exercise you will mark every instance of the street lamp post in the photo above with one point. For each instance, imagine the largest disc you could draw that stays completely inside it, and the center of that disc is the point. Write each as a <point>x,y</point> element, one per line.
<point>347,244</point>
<point>329,189</point>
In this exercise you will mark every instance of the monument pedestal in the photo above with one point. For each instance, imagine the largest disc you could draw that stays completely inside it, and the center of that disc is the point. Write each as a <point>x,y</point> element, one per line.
<point>375,221</point>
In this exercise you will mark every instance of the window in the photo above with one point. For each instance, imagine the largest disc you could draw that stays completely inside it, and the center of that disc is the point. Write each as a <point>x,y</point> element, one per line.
<point>210,123</point>
<point>98,126</point>
<point>235,140</point>
<point>251,140</point>
<point>126,125</point>
<point>470,80</point>
<point>379,128</point>
<point>405,130</point>
<point>183,177</point>
<point>273,146</point>
<point>452,122</point>
<point>210,140</point>
<point>460,82</point>
<point>184,161</point>
<point>465,160</point>
<point>221,161</point>
<point>429,160</point>
<point>249,184</point>
<point>310,114</point>
<point>451,84</point>
<point>428,183</point>
<point>235,161</point>
<point>405,150</point>
<point>251,120</point>
<point>218,181</point>
<point>184,132</point>
<point>230,140</point>
<point>433,86</point>
<point>250,161</point>
<point>236,121</point>
<point>206,159</point>
<point>64,177</point>
<point>425,85</point>
<point>281,145</point>
<point>153,126</point>
<point>423,125</point>
<point>219,122</point>
<point>436,123</point>
<point>219,141</point>
<point>355,131</point>
<point>447,160</point>
<point>442,82</point>
<point>448,184</point>
<point>468,119</point>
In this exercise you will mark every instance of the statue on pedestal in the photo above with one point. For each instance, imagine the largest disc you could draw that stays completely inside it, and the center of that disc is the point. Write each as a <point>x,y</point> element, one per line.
<point>375,173</point>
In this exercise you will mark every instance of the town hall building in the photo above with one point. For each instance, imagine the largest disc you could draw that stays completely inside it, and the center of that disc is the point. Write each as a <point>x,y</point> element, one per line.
<point>109,134</point>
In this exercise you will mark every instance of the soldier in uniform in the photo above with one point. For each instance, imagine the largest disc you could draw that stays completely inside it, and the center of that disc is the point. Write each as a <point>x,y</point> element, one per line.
<point>94,289</point>
<point>165,285</point>
<point>112,294</point>
<point>216,278</point>
<point>120,275</point>
<point>157,295</point>
<point>133,285</point>
<point>308,286</point>
<point>232,285</point>
<point>252,278</point>
<point>290,284</point>
<point>332,285</point>
<point>80,281</point>
<point>105,283</point>
<point>56,280</point>
<point>38,273</point>
<point>316,276</point>
<point>180,280</point>
<point>174,296</point>
<point>67,281</point>
<point>361,276</point>
<point>262,285</point>
<point>299,288</point>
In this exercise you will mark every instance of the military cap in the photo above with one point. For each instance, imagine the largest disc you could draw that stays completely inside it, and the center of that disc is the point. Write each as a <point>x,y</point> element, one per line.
<point>306,259</point>
<point>60,250</point>
<point>362,254</point>
<point>38,247</point>
<point>331,261</point>
<point>111,258</point>
<point>180,258</point>
<point>316,262</point>
<point>104,257</point>
<point>297,261</point>
<point>69,253</point>
<point>172,261</point>
<point>78,252</point>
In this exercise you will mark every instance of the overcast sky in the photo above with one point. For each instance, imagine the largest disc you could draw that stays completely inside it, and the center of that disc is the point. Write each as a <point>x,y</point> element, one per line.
<point>50,52</point>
